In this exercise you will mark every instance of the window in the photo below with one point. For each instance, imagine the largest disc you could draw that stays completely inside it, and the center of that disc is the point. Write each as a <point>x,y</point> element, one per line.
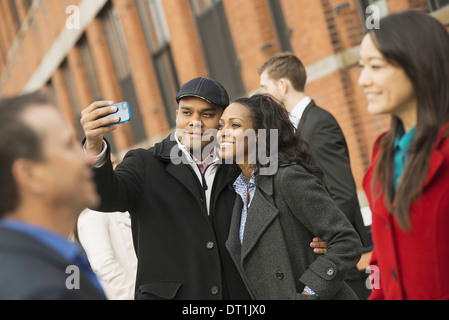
<point>116,41</point>
<point>221,59</point>
<point>437,4</point>
<point>68,81</point>
<point>92,79</point>
<point>15,13</point>
<point>117,48</point>
<point>157,37</point>
<point>90,69</point>
<point>27,3</point>
<point>282,32</point>
<point>200,6</point>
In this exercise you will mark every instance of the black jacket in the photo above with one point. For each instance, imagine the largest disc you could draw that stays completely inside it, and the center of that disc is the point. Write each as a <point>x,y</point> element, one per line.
<point>328,145</point>
<point>29,270</point>
<point>180,249</point>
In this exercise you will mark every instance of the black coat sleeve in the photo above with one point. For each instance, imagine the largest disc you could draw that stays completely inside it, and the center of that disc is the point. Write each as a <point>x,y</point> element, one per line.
<point>309,202</point>
<point>120,190</point>
<point>330,151</point>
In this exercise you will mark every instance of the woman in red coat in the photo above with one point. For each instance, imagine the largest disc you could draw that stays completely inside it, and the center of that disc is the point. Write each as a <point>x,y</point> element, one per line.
<point>405,73</point>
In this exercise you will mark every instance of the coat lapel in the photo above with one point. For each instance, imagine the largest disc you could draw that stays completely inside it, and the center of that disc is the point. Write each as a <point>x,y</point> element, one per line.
<point>233,242</point>
<point>178,165</point>
<point>260,214</point>
<point>436,160</point>
<point>221,182</point>
<point>306,113</point>
<point>186,177</point>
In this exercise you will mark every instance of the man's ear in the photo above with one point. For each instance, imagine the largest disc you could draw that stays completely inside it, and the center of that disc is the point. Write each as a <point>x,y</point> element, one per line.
<point>284,85</point>
<point>27,174</point>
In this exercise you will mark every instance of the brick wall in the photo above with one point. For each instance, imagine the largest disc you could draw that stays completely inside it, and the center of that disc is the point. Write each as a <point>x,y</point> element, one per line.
<point>143,74</point>
<point>32,43</point>
<point>64,100</point>
<point>106,77</point>
<point>185,41</point>
<point>253,36</point>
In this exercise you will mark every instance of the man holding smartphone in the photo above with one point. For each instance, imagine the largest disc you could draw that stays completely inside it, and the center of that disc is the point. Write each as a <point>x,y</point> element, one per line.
<point>178,198</point>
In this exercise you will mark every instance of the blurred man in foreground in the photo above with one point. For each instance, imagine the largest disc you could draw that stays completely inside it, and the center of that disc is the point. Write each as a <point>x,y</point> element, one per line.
<point>46,181</point>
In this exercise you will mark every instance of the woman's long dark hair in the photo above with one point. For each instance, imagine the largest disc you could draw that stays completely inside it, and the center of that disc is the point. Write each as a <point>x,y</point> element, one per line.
<point>267,113</point>
<point>419,44</point>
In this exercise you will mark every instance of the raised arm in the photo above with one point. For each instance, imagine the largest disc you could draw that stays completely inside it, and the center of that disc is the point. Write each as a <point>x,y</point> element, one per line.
<point>119,190</point>
<point>94,126</point>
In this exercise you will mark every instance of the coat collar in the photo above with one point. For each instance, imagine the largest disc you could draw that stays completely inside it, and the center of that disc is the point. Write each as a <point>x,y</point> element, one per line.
<point>260,215</point>
<point>298,110</point>
<point>167,150</point>
<point>437,157</point>
<point>178,165</point>
<point>436,161</point>
<point>306,113</point>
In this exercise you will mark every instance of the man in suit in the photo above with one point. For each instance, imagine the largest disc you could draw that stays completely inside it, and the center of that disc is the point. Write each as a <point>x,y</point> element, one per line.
<point>284,77</point>
<point>178,197</point>
<point>46,181</point>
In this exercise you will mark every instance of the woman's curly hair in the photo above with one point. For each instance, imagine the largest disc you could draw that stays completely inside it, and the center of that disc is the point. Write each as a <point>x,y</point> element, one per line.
<point>267,114</point>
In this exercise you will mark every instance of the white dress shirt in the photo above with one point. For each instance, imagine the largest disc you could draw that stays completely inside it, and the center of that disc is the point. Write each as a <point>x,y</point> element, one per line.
<point>298,110</point>
<point>209,174</point>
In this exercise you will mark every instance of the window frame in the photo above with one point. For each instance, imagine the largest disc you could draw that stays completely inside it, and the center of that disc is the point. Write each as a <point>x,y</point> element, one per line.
<point>157,38</point>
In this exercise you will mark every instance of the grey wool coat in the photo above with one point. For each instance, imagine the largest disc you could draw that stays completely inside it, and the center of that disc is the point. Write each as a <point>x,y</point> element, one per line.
<point>275,260</point>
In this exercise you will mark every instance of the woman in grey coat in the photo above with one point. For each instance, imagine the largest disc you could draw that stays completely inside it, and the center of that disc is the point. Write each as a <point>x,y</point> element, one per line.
<point>282,205</point>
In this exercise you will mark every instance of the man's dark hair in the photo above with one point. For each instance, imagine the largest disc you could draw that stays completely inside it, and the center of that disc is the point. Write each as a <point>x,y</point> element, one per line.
<point>17,140</point>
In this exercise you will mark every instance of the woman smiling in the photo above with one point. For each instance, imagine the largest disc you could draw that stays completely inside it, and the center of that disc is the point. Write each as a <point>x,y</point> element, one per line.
<point>276,215</point>
<point>405,74</point>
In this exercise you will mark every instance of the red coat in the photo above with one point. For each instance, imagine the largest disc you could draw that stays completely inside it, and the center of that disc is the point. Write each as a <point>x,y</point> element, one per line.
<point>414,265</point>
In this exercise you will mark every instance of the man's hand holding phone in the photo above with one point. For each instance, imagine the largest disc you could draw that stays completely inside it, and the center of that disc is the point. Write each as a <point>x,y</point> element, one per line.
<point>96,122</point>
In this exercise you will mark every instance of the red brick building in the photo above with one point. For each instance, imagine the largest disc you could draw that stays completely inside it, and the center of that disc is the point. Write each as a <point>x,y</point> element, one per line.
<point>143,50</point>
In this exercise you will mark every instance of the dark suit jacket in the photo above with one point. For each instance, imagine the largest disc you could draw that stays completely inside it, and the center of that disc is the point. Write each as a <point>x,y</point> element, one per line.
<point>29,270</point>
<point>180,249</point>
<point>328,145</point>
<point>275,259</point>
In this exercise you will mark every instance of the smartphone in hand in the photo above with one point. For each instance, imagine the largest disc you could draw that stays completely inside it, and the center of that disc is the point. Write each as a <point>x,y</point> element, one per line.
<point>123,112</point>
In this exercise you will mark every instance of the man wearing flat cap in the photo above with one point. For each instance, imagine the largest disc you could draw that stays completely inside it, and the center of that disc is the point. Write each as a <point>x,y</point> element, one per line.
<point>178,198</point>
